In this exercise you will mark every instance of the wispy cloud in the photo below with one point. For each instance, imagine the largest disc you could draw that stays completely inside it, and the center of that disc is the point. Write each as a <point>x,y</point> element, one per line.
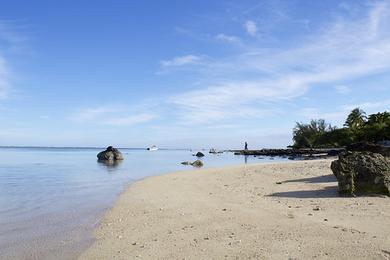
<point>384,104</point>
<point>182,61</point>
<point>129,120</point>
<point>113,115</point>
<point>7,38</point>
<point>250,27</point>
<point>93,113</point>
<point>342,89</point>
<point>11,42</point>
<point>4,78</point>
<point>228,38</point>
<point>342,50</point>
<point>335,118</point>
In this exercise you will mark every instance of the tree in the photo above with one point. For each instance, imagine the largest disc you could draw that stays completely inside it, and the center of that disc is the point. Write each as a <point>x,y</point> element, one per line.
<point>356,119</point>
<point>359,128</point>
<point>377,128</point>
<point>306,135</point>
<point>379,118</point>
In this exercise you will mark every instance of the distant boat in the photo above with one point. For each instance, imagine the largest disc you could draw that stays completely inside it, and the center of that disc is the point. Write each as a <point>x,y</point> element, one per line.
<point>152,148</point>
<point>215,151</point>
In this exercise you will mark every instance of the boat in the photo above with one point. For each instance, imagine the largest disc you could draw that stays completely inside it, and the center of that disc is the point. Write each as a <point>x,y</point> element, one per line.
<point>215,151</point>
<point>152,148</point>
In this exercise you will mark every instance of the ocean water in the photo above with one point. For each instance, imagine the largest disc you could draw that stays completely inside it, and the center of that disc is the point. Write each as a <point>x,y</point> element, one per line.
<point>51,199</point>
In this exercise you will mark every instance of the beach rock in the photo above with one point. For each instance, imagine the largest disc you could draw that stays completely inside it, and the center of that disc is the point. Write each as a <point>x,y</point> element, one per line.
<point>197,163</point>
<point>362,173</point>
<point>186,163</point>
<point>199,154</point>
<point>110,154</point>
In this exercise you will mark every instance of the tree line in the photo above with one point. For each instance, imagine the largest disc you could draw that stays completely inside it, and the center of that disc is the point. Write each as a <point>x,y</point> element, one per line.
<point>358,127</point>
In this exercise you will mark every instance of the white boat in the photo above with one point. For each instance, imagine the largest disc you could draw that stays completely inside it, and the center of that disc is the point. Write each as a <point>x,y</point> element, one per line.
<point>152,148</point>
<point>215,151</point>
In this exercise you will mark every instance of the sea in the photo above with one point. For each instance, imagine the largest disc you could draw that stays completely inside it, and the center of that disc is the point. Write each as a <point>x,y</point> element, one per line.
<point>51,199</point>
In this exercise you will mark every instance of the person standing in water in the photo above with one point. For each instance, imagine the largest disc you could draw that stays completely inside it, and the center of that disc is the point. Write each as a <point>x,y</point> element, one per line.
<point>246,146</point>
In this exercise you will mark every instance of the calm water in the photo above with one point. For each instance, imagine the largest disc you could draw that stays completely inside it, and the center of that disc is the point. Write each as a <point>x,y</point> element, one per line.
<point>51,199</point>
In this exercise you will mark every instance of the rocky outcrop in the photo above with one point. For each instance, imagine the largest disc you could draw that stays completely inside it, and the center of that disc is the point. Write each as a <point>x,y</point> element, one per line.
<point>290,152</point>
<point>199,154</point>
<point>110,154</point>
<point>362,173</point>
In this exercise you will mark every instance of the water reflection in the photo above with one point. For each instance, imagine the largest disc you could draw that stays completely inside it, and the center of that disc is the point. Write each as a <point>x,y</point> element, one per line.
<point>109,165</point>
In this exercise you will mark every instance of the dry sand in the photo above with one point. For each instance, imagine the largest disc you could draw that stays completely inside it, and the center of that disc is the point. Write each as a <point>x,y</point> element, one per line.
<point>242,213</point>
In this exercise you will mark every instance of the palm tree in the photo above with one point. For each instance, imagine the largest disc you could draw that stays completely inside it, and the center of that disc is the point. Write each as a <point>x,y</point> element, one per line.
<point>356,119</point>
<point>379,118</point>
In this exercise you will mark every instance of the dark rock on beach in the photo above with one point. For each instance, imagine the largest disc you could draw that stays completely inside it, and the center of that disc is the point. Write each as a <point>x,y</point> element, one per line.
<point>197,163</point>
<point>110,154</point>
<point>362,173</point>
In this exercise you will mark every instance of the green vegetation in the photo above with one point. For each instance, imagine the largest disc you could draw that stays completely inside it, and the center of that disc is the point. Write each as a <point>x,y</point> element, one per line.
<point>357,128</point>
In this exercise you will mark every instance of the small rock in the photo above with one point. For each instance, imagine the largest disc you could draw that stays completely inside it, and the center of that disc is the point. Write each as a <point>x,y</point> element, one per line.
<point>278,182</point>
<point>316,208</point>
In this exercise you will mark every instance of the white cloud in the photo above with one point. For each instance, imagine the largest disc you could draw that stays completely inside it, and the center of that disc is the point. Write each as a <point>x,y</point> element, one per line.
<point>335,118</point>
<point>129,120</point>
<point>113,115</point>
<point>383,104</point>
<point>250,27</point>
<point>182,61</point>
<point>342,89</point>
<point>343,51</point>
<point>93,113</point>
<point>4,78</point>
<point>11,42</point>
<point>228,38</point>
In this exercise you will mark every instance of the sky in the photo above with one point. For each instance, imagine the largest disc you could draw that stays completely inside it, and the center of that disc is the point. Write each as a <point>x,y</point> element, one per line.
<point>188,74</point>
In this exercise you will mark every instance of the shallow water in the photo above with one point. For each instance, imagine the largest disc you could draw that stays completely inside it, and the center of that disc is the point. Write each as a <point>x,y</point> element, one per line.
<point>51,199</point>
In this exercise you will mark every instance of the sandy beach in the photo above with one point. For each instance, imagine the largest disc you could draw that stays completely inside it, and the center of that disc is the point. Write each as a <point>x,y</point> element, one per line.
<point>264,211</point>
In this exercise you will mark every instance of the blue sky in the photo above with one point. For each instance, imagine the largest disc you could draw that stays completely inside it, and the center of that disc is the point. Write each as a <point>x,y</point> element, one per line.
<point>187,73</point>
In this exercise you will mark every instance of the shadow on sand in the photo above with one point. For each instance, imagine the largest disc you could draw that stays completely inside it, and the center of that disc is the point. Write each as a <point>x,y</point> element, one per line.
<point>327,192</point>
<point>318,179</point>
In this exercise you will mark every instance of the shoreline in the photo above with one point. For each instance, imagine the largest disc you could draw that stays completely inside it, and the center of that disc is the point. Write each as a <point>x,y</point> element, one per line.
<point>240,211</point>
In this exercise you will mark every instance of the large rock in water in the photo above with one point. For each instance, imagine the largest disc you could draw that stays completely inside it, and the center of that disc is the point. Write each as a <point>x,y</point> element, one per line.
<point>362,173</point>
<point>110,154</point>
<point>199,154</point>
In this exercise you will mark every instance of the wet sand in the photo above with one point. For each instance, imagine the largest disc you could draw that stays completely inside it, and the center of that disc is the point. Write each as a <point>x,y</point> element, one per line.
<point>266,211</point>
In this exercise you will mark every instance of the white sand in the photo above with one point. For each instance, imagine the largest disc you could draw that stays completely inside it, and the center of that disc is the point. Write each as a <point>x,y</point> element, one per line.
<point>241,213</point>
